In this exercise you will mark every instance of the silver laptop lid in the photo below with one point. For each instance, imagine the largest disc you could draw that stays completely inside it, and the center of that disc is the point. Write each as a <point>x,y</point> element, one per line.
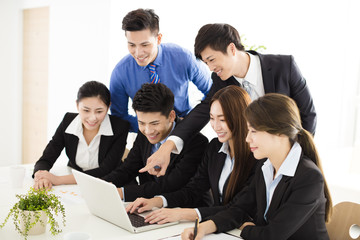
<point>103,200</point>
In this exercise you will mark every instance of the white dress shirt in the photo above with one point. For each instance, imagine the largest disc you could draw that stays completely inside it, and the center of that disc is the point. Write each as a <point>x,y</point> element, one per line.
<point>287,168</point>
<point>87,156</point>
<point>254,77</point>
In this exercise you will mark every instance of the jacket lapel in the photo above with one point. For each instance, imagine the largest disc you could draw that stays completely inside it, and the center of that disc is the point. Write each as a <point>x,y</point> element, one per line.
<point>261,197</point>
<point>71,146</point>
<point>278,195</point>
<point>217,169</point>
<point>267,75</point>
<point>103,147</point>
<point>147,151</point>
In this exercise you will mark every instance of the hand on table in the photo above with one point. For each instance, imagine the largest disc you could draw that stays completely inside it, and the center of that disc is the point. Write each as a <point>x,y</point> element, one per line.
<point>246,224</point>
<point>42,183</point>
<point>203,229</point>
<point>188,234</point>
<point>43,174</point>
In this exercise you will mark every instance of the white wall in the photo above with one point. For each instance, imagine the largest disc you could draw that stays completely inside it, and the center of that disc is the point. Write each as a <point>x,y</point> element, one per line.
<point>10,82</point>
<point>86,41</point>
<point>79,36</point>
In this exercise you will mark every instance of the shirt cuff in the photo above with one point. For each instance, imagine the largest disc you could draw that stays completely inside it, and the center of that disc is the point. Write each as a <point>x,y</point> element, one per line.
<point>165,204</point>
<point>198,213</point>
<point>179,144</point>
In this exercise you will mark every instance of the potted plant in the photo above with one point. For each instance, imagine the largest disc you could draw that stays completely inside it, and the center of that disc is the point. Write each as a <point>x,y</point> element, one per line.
<point>34,210</point>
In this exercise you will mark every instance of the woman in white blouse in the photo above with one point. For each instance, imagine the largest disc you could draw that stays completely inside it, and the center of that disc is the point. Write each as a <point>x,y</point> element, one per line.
<point>94,141</point>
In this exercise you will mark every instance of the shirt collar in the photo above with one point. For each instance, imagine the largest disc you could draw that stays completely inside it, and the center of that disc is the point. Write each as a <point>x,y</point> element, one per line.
<point>76,128</point>
<point>159,58</point>
<point>288,167</point>
<point>105,127</point>
<point>225,148</point>
<point>268,171</point>
<point>253,71</point>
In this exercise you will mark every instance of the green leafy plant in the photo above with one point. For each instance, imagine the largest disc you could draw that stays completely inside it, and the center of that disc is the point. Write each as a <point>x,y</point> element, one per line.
<point>36,201</point>
<point>258,48</point>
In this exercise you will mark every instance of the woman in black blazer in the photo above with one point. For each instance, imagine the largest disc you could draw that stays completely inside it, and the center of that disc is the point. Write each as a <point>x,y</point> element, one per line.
<point>94,141</point>
<point>288,197</point>
<point>215,172</point>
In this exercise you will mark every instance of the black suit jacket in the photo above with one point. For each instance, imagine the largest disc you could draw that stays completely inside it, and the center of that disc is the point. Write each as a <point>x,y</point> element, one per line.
<point>280,75</point>
<point>296,211</point>
<point>206,178</point>
<point>181,168</point>
<point>111,148</point>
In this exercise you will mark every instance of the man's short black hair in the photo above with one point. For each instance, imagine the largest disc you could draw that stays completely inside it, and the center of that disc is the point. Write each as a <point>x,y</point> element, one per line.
<point>217,36</point>
<point>153,97</point>
<point>141,19</point>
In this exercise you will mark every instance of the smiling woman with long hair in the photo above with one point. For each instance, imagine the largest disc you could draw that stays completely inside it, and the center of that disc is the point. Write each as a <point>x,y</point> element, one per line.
<point>288,197</point>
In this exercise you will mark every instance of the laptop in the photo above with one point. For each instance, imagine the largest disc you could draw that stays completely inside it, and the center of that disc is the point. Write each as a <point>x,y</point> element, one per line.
<point>103,201</point>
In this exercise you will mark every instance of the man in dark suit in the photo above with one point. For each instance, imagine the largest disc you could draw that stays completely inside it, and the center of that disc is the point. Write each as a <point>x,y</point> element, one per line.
<point>154,107</point>
<point>219,46</point>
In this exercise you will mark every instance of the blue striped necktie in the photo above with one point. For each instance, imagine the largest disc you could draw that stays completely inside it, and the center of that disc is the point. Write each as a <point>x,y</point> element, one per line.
<point>154,77</point>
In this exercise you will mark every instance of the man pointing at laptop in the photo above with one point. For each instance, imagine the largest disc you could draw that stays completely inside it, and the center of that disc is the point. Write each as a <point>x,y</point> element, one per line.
<point>153,105</point>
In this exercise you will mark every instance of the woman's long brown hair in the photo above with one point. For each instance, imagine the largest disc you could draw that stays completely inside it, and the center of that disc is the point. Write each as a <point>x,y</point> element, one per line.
<point>278,114</point>
<point>233,101</point>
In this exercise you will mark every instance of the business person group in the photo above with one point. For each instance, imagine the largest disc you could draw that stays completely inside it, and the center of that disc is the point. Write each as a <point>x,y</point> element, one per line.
<point>262,172</point>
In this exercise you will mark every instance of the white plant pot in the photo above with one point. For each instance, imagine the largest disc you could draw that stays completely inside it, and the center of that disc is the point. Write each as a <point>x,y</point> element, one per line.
<point>39,228</point>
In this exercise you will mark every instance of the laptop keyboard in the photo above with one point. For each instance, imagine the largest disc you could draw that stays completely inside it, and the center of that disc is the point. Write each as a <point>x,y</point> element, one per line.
<point>137,220</point>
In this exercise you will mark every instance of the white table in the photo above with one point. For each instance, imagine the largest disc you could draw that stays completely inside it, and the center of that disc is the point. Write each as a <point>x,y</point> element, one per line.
<point>78,217</point>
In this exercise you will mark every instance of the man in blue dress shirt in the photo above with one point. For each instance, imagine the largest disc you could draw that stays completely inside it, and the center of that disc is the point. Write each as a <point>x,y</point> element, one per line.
<point>172,65</point>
